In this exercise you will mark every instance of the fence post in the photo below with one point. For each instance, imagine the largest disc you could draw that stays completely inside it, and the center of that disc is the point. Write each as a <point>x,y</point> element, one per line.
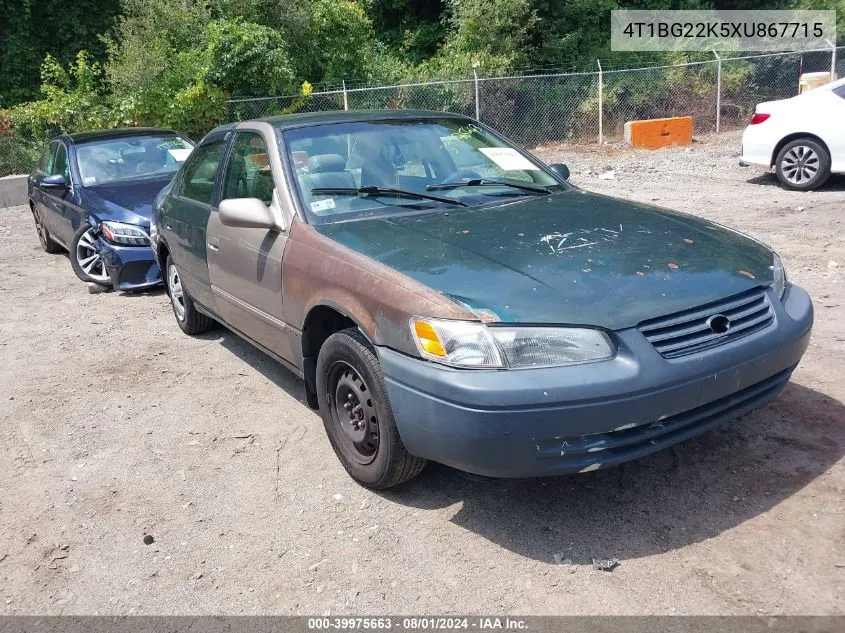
<point>477,105</point>
<point>832,60</point>
<point>718,92</point>
<point>601,103</point>
<point>345,100</point>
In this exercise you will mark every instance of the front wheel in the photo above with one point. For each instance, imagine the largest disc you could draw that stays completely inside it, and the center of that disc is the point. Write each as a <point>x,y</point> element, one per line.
<point>357,415</point>
<point>190,320</point>
<point>85,258</point>
<point>803,164</point>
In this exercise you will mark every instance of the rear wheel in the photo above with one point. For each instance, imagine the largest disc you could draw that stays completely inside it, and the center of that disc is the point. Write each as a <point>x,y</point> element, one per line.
<point>47,242</point>
<point>357,414</point>
<point>803,164</point>
<point>190,320</point>
<point>85,258</point>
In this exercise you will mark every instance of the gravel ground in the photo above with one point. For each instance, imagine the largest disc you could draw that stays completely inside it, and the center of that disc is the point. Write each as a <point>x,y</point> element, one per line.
<point>114,425</point>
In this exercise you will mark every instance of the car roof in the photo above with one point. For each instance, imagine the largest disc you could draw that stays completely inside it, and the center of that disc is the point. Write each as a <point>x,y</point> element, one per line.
<point>119,132</point>
<point>306,119</point>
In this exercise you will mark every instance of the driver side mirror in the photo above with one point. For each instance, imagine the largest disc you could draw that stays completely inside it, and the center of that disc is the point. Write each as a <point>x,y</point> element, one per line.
<point>561,170</point>
<point>246,213</point>
<point>56,181</point>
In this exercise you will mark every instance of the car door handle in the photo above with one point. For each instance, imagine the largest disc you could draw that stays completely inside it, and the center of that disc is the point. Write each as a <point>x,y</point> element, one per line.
<point>213,244</point>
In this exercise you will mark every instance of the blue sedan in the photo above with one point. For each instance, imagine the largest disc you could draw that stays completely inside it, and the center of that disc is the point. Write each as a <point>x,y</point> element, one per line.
<point>92,195</point>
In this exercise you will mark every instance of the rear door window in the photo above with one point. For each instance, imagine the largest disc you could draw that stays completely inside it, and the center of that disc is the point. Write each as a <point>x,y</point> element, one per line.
<point>200,171</point>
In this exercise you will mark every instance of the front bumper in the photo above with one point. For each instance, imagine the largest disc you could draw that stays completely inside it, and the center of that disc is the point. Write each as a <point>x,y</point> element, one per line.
<point>130,267</point>
<point>537,422</point>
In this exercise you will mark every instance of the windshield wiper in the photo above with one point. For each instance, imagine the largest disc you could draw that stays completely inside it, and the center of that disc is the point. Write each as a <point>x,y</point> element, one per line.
<point>485,182</point>
<point>370,190</point>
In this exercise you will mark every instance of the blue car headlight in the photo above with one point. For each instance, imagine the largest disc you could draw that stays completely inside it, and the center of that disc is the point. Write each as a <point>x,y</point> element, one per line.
<point>779,275</point>
<point>125,234</point>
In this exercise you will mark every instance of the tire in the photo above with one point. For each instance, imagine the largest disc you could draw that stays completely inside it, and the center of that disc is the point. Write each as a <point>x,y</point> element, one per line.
<point>802,165</point>
<point>348,370</point>
<point>190,320</point>
<point>44,238</point>
<point>85,259</point>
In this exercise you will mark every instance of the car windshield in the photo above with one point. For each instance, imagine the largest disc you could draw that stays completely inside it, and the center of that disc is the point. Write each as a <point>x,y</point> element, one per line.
<point>354,170</point>
<point>130,157</point>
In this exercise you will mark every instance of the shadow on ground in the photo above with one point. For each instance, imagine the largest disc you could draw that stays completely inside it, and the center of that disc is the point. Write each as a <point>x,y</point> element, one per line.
<point>255,358</point>
<point>674,498</point>
<point>684,495</point>
<point>767,179</point>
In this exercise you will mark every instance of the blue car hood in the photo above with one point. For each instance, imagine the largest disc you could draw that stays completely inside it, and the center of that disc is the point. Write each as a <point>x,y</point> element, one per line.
<point>129,201</point>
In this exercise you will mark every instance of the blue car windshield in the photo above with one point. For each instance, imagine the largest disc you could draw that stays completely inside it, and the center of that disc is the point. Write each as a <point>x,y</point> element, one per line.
<point>130,157</point>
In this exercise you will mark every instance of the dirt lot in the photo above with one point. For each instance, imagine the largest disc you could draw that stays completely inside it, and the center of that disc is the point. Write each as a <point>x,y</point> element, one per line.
<point>113,425</point>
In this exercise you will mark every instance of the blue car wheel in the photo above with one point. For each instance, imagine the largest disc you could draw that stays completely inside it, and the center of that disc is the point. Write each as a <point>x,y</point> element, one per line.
<point>85,258</point>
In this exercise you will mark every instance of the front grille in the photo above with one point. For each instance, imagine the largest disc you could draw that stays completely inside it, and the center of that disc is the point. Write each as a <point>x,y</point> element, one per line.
<point>688,331</point>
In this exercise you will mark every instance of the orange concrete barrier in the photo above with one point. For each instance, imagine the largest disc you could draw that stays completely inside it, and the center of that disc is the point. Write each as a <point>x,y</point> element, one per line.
<point>654,133</point>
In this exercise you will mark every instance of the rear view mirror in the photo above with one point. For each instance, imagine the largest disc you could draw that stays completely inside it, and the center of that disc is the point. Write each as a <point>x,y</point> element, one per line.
<point>56,181</point>
<point>560,169</point>
<point>246,213</point>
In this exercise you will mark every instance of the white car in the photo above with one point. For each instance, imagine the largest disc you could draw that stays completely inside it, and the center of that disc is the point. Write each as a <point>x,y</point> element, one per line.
<point>802,137</point>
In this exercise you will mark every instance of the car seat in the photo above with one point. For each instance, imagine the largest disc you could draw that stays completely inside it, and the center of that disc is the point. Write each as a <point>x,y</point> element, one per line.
<point>328,170</point>
<point>151,159</point>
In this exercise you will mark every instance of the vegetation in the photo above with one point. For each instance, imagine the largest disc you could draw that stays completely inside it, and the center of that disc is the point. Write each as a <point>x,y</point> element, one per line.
<point>95,63</point>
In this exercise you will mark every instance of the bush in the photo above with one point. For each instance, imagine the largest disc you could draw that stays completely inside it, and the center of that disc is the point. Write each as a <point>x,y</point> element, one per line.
<point>17,156</point>
<point>71,101</point>
<point>248,59</point>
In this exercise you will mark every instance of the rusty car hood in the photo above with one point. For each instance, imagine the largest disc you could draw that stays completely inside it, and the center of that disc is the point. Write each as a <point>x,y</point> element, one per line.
<point>569,258</point>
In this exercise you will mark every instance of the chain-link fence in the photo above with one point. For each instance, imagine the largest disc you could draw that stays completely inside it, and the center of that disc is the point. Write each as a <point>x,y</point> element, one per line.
<point>719,93</point>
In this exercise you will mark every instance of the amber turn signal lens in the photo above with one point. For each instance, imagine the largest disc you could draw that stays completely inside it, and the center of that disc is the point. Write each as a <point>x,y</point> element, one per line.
<point>428,339</point>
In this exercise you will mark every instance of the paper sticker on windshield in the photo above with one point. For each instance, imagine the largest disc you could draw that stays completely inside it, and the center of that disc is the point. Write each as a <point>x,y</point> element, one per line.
<point>322,205</point>
<point>507,158</point>
<point>179,154</point>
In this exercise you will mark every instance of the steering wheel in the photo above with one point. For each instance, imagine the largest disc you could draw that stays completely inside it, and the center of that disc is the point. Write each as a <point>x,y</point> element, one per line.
<point>460,176</point>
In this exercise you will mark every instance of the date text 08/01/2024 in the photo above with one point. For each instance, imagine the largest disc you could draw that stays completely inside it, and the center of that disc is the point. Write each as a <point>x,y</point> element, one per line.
<point>413,623</point>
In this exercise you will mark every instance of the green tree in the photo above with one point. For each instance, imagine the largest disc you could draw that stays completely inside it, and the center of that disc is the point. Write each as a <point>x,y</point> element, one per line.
<point>243,58</point>
<point>501,28</point>
<point>29,30</point>
<point>342,42</point>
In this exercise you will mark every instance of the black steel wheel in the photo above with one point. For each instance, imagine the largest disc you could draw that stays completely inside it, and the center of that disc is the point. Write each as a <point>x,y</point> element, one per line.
<point>357,415</point>
<point>354,412</point>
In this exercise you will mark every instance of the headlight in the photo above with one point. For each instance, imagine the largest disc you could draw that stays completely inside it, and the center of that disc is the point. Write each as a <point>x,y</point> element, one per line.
<point>153,228</point>
<point>779,274</point>
<point>472,344</point>
<point>127,234</point>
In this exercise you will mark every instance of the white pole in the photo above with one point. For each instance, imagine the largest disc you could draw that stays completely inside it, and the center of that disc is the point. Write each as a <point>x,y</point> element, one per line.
<point>477,105</point>
<point>832,60</point>
<point>345,100</point>
<point>601,103</point>
<point>718,92</point>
